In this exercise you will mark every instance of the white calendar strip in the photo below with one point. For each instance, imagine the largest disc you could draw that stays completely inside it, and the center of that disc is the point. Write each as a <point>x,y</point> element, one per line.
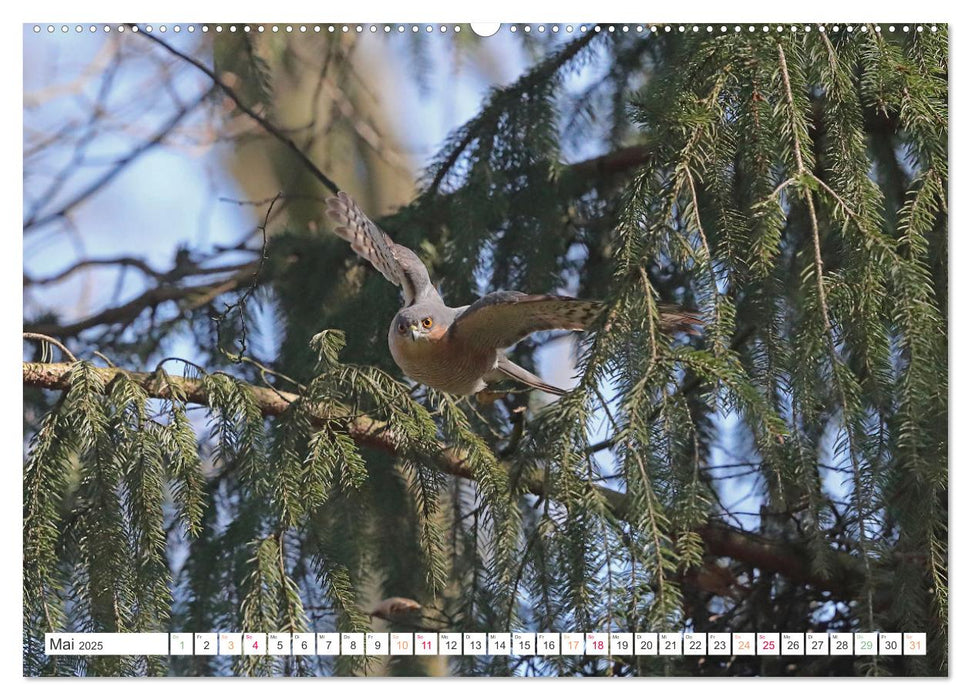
<point>489,644</point>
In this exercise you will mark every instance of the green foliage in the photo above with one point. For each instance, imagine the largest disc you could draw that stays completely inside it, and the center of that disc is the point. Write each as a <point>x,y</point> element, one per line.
<point>791,187</point>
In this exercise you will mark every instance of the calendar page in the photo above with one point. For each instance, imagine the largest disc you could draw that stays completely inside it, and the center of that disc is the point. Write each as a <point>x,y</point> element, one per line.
<point>560,348</point>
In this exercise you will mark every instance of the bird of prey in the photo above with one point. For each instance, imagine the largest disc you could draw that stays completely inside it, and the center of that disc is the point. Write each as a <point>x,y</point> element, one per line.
<point>461,350</point>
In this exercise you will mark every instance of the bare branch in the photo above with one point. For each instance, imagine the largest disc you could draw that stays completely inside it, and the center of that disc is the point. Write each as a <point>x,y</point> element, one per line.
<point>619,161</point>
<point>240,303</point>
<point>271,128</point>
<point>53,341</point>
<point>166,129</point>
<point>193,297</point>
<point>616,162</point>
<point>93,262</point>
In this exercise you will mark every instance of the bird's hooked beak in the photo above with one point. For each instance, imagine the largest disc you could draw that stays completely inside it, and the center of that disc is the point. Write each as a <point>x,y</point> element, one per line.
<point>415,332</point>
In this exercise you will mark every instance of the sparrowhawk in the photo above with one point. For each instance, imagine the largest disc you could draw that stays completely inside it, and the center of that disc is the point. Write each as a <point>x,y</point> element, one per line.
<point>461,350</point>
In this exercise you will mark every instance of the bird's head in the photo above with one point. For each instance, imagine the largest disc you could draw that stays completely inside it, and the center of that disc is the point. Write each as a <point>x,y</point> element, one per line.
<point>418,323</point>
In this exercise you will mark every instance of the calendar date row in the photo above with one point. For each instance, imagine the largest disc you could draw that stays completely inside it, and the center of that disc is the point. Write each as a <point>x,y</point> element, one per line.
<point>491,644</point>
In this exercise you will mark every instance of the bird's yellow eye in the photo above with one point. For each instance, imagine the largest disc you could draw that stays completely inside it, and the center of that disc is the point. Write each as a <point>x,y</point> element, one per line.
<point>426,323</point>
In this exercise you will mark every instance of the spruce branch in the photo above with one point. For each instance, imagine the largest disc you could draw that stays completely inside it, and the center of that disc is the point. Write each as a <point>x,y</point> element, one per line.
<point>802,173</point>
<point>541,74</point>
<point>785,558</point>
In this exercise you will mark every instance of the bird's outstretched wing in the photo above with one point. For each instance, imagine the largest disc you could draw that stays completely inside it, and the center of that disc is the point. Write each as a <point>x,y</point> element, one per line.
<point>398,264</point>
<point>501,319</point>
<point>674,319</point>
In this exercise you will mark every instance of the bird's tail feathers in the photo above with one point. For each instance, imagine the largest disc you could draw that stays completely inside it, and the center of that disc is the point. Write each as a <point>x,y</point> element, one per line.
<point>520,374</point>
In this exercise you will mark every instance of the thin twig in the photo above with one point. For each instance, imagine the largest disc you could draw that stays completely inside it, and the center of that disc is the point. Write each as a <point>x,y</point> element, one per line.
<point>151,298</point>
<point>53,341</point>
<point>240,303</point>
<point>81,264</point>
<point>105,358</point>
<point>264,370</point>
<point>271,128</point>
<point>120,165</point>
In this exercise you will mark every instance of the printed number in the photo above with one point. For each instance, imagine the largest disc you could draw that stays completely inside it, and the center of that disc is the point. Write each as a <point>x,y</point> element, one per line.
<point>669,644</point>
<point>792,645</point>
<point>426,644</point>
<point>377,644</point>
<point>303,645</point>
<point>914,644</point>
<point>866,644</point>
<point>451,645</point>
<point>694,645</point>
<point>205,645</point>
<point>745,645</point>
<point>622,644</point>
<point>892,644</point>
<point>353,645</point>
<point>599,645</point>
<point>768,645</point>
<point>720,645</point>
<point>842,645</point>
<point>646,645</point>
<point>549,644</point>
<point>475,644</point>
<point>816,644</point>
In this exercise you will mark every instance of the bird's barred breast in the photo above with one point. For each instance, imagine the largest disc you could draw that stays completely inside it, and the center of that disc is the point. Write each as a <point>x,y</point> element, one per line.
<point>441,363</point>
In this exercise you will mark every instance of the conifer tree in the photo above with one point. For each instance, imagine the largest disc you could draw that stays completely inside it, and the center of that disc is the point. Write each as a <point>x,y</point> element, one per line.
<point>789,185</point>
